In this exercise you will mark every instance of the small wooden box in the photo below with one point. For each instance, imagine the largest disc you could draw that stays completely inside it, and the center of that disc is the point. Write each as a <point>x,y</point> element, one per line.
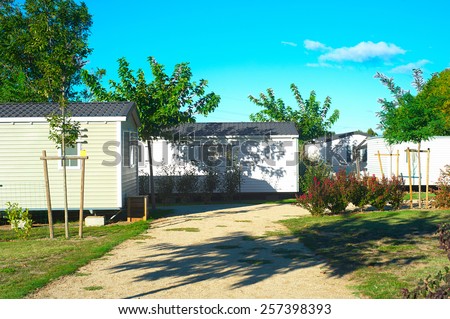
<point>137,207</point>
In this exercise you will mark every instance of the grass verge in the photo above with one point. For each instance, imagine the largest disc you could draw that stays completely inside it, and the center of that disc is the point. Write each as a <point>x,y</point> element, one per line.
<point>382,251</point>
<point>26,265</point>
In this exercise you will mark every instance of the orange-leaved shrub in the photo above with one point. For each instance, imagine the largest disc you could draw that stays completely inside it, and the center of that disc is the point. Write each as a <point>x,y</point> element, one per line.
<point>333,194</point>
<point>442,199</point>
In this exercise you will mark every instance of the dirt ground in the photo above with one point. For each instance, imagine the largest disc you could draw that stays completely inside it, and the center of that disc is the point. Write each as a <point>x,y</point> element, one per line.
<point>206,252</point>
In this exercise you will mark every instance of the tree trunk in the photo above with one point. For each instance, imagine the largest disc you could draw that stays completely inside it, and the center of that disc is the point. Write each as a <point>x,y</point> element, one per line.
<point>152,181</point>
<point>63,155</point>
<point>420,175</point>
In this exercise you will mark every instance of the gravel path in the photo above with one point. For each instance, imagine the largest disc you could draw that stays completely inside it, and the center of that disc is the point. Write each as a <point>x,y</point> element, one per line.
<point>207,252</point>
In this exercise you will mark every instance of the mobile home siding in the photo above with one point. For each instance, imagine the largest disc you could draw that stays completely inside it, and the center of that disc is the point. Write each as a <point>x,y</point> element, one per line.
<point>439,157</point>
<point>262,172</point>
<point>277,171</point>
<point>129,179</point>
<point>338,151</point>
<point>21,170</point>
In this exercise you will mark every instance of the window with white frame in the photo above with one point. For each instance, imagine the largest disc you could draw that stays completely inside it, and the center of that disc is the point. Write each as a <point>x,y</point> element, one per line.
<point>141,154</point>
<point>130,149</point>
<point>71,151</point>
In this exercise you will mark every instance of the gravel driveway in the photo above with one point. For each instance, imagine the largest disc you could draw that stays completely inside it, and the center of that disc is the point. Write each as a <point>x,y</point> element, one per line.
<point>213,251</point>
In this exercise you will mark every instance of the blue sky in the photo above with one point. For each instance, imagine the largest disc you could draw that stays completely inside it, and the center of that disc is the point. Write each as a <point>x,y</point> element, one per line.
<point>245,47</point>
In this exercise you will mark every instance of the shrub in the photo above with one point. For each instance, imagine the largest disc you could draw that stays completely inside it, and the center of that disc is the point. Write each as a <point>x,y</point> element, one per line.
<point>336,198</point>
<point>437,286</point>
<point>19,219</point>
<point>396,192</point>
<point>335,193</point>
<point>433,287</point>
<point>209,183</point>
<point>318,170</point>
<point>231,181</point>
<point>144,183</point>
<point>378,194</point>
<point>166,183</point>
<point>187,183</point>
<point>328,193</point>
<point>444,238</point>
<point>357,191</point>
<point>314,199</point>
<point>442,199</point>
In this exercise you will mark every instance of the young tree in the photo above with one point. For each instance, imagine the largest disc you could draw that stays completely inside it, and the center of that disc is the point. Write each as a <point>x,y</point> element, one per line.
<point>407,118</point>
<point>165,102</point>
<point>43,47</point>
<point>310,118</point>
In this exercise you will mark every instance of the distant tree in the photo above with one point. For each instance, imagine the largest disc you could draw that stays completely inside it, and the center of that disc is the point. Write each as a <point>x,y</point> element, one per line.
<point>407,118</point>
<point>43,47</point>
<point>310,117</point>
<point>371,132</point>
<point>162,103</point>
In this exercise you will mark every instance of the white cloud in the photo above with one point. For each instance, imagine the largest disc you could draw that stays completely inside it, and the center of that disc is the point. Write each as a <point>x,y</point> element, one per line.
<point>407,68</point>
<point>292,44</point>
<point>319,65</point>
<point>315,45</point>
<point>363,52</point>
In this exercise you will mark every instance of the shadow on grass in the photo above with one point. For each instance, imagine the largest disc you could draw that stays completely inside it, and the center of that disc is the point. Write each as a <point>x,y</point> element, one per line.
<point>246,258</point>
<point>367,240</point>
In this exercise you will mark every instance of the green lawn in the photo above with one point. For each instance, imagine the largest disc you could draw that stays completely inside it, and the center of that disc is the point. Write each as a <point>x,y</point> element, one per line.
<point>416,195</point>
<point>26,265</point>
<point>382,251</point>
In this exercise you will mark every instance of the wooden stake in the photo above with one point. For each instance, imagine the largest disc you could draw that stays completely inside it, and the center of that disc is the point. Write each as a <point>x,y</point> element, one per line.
<point>390,155</point>
<point>46,158</point>
<point>358,169</point>
<point>47,195</point>
<point>83,169</point>
<point>398,162</point>
<point>145,208</point>
<point>408,154</point>
<point>381,165</point>
<point>420,175</point>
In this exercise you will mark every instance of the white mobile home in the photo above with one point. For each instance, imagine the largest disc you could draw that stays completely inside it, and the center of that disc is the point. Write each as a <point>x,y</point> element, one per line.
<point>109,138</point>
<point>439,147</point>
<point>267,153</point>
<point>339,150</point>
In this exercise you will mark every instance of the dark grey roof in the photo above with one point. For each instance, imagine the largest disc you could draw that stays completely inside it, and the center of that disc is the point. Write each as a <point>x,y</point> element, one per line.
<point>339,136</point>
<point>236,129</point>
<point>92,109</point>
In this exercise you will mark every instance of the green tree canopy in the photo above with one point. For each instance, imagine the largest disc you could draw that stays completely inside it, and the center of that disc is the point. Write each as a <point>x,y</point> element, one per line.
<point>408,118</point>
<point>162,103</point>
<point>310,117</point>
<point>435,94</point>
<point>43,47</point>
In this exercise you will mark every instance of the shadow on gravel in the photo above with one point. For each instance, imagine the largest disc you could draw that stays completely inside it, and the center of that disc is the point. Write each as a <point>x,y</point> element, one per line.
<point>181,214</point>
<point>252,259</point>
<point>180,210</point>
